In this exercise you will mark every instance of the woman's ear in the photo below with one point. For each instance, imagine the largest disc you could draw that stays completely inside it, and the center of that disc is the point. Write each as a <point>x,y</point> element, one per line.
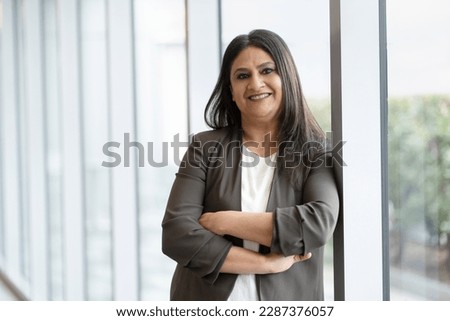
<point>231,90</point>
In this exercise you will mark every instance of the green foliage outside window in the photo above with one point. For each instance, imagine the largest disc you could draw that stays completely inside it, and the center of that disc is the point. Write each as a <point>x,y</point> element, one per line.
<point>419,162</point>
<point>419,186</point>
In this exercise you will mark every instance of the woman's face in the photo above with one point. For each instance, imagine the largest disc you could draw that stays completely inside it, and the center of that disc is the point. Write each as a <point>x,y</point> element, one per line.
<point>256,86</point>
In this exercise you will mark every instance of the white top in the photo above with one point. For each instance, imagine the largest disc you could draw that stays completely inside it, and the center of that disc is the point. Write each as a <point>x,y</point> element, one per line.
<point>257,174</point>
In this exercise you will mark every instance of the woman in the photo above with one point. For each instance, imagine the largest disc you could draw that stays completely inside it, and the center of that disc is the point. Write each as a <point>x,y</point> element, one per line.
<point>253,203</point>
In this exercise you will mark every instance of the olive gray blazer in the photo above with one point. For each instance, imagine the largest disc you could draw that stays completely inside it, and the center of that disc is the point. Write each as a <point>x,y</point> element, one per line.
<point>209,180</point>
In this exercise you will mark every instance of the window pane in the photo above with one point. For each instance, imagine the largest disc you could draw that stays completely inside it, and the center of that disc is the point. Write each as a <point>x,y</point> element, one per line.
<point>304,25</point>
<point>161,93</point>
<point>22,139</point>
<point>54,149</point>
<point>2,232</point>
<point>419,149</point>
<point>95,125</point>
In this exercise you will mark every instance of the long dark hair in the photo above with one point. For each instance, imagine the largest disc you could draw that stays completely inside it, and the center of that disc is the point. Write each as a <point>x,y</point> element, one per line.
<point>299,133</point>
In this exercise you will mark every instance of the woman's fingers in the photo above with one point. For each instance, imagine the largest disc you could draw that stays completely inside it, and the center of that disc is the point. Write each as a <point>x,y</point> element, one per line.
<point>299,258</point>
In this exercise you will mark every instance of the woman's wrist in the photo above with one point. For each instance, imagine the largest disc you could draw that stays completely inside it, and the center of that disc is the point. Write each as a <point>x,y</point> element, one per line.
<point>266,264</point>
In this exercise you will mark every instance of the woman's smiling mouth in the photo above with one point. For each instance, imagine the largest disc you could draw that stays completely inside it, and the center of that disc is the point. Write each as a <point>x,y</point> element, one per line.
<point>260,96</point>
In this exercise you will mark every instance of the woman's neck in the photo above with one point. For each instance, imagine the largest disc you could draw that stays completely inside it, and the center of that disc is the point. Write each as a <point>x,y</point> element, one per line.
<point>260,139</point>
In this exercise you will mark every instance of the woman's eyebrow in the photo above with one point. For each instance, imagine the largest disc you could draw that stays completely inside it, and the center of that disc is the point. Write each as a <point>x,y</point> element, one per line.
<point>264,64</point>
<point>267,64</point>
<point>241,69</point>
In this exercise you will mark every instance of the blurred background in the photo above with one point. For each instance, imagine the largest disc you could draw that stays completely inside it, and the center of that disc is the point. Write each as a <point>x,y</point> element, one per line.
<point>76,75</point>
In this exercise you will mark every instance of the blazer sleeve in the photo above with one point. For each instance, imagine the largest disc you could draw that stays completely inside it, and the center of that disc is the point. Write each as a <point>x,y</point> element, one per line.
<point>302,228</point>
<point>183,238</point>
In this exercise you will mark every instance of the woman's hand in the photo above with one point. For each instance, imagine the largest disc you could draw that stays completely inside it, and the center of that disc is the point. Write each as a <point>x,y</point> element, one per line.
<point>277,263</point>
<point>243,261</point>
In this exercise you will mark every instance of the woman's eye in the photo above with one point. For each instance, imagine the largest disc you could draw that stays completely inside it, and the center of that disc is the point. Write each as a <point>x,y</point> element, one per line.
<point>267,71</point>
<point>242,76</point>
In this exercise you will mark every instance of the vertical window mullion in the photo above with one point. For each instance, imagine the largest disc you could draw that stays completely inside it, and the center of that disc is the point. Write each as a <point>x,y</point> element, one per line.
<point>94,116</point>
<point>2,150</point>
<point>122,106</point>
<point>37,209</point>
<point>73,201</point>
<point>53,145</point>
<point>356,43</point>
<point>22,135</point>
<point>384,148</point>
<point>336,124</point>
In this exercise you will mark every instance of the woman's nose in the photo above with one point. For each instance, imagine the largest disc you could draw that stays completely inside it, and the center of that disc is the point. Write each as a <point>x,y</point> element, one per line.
<point>256,82</point>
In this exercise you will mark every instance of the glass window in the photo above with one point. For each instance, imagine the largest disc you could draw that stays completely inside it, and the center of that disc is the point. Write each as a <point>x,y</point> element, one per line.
<point>22,138</point>
<point>95,133</point>
<point>54,149</point>
<point>2,233</point>
<point>419,149</point>
<point>304,25</point>
<point>13,117</point>
<point>161,95</point>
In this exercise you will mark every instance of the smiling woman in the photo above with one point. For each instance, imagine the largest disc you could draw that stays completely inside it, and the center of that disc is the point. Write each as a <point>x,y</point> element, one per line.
<point>78,74</point>
<point>256,90</point>
<point>252,232</point>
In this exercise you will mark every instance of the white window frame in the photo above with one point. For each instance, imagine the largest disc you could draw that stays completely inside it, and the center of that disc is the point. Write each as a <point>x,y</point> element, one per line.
<point>358,117</point>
